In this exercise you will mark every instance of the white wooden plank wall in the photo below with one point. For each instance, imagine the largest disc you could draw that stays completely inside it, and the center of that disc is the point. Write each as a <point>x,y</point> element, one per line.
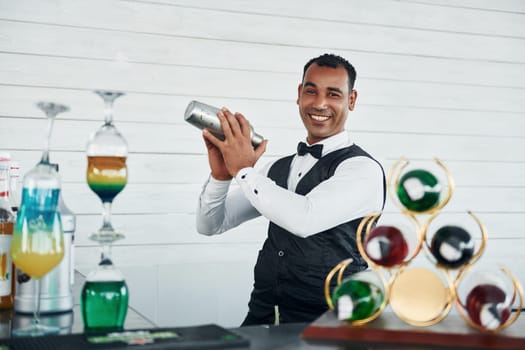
<point>435,79</point>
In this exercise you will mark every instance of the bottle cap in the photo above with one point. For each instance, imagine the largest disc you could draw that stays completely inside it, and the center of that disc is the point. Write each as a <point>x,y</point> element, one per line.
<point>5,160</point>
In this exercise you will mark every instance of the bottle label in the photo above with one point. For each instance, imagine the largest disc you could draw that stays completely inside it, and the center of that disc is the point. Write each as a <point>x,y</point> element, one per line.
<point>5,265</point>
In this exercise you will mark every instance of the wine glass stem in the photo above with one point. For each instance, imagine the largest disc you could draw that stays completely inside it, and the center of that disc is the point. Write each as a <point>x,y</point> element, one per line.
<point>36,310</point>
<point>45,154</point>
<point>107,217</point>
<point>108,111</point>
<point>105,251</point>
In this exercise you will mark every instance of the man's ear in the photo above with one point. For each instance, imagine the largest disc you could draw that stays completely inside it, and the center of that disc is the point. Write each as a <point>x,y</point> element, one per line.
<point>351,99</point>
<point>299,89</point>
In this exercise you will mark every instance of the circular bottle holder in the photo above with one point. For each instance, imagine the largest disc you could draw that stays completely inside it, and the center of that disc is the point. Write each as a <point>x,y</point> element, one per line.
<point>451,246</point>
<point>359,298</point>
<point>418,191</point>
<point>485,298</point>
<point>390,245</point>
<point>420,297</point>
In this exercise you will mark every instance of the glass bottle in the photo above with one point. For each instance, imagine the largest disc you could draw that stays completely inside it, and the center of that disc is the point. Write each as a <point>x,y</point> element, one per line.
<point>104,297</point>
<point>37,245</point>
<point>14,176</point>
<point>56,294</point>
<point>7,221</point>
<point>359,296</point>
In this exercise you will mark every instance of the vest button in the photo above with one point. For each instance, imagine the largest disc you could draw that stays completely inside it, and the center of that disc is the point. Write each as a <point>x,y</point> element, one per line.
<point>280,253</point>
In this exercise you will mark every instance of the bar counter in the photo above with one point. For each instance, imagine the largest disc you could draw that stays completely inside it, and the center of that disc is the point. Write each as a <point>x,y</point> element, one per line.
<point>387,332</point>
<point>289,337</point>
<point>69,322</point>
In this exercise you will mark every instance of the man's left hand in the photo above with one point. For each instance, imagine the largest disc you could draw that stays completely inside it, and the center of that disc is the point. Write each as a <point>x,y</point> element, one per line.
<point>236,149</point>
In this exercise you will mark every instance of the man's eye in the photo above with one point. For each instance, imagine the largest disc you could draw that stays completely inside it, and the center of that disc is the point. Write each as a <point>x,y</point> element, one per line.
<point>310,92</point>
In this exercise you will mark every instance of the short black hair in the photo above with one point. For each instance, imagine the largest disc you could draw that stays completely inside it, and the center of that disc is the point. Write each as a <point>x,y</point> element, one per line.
<point>333,61</point>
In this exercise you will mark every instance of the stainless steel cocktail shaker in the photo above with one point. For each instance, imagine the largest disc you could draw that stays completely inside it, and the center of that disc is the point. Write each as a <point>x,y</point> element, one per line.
<point>204,116</point>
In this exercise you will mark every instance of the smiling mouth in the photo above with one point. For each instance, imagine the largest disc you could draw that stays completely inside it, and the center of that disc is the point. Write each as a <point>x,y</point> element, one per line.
<point>319,118</point>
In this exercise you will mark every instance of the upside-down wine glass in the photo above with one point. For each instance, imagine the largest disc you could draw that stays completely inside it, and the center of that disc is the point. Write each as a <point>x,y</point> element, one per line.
<point>107,173</point>
<point>38,243</point>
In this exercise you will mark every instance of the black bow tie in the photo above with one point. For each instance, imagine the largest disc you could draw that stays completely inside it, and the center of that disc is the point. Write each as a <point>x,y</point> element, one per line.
<point>315,150</point>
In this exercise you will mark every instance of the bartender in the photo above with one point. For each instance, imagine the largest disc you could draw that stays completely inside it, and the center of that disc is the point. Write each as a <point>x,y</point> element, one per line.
<point>314,199</point>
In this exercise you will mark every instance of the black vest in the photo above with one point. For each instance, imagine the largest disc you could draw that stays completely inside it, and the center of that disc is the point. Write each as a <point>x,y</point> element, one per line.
<point>329,247</point>
<point>294,268</point>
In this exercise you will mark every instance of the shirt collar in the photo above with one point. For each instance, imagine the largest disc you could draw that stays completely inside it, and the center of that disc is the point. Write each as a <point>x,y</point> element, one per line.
<point>335,142</point>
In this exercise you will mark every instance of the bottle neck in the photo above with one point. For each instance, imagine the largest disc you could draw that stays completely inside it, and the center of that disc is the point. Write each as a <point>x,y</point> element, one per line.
<point>13,192</point>
<point>4,191</point>
<point>4,183</point>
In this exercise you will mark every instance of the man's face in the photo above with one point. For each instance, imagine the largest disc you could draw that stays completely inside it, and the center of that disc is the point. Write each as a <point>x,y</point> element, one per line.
<point>324,100</point>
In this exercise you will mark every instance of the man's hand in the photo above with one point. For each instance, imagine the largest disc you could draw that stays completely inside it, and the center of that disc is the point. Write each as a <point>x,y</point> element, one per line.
<point>236,151</point>
<point>217,166</point>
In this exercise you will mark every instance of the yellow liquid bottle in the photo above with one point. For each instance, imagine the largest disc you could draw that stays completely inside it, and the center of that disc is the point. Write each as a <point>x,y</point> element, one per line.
<point>36,260</point>
<point>38,244</point>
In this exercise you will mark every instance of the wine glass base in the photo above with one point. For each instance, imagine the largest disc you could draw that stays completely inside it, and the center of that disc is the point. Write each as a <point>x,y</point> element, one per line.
<point>35,330</point>
<point>106,237</point>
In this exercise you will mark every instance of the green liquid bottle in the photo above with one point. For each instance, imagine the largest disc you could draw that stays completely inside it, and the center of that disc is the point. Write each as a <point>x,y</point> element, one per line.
<point>358,297</point>
<point>104,299</point>
<point>419,190</point>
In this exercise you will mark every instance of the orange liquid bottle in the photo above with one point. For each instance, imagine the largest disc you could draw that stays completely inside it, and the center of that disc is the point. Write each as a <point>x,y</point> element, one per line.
<point>7,220</point>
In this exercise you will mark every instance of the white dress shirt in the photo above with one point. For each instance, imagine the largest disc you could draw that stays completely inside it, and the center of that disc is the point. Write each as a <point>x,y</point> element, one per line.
<point>355,190</point>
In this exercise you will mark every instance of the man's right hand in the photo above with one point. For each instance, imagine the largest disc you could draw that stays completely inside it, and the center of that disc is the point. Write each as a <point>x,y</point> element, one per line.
<point>217,166</point>
<point>236,150</point>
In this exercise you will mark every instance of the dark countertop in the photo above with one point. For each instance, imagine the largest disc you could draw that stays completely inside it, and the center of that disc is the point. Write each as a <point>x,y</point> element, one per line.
<point>290,336</point>
<point>387,332</point>
<point>286,336</point>
<point>69,322</point>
